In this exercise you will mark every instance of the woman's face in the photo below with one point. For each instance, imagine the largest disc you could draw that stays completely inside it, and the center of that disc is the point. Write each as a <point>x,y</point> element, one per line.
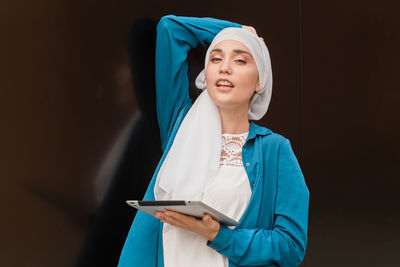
<point>231,75</point>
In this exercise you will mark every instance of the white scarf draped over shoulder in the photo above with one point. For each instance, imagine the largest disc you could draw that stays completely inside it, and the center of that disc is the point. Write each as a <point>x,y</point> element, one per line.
<point>193,159</point>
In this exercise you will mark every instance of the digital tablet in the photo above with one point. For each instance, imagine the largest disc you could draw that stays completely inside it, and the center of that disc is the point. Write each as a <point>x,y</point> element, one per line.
<point>193,208</point>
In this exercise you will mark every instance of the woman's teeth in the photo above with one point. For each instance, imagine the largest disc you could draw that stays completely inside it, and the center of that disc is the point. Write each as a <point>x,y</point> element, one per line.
<point>224,83</point>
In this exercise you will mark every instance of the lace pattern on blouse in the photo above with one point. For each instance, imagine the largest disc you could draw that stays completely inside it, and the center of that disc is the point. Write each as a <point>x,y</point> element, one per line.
<point>231,152</point>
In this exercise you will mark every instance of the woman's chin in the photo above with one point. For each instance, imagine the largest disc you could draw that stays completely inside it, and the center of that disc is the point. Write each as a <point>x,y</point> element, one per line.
<point>224,99</point>
<point>226,104</point>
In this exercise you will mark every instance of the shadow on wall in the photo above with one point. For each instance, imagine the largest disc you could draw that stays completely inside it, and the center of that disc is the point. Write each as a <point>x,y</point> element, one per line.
<point>138,161</point>
<point>131,172</point>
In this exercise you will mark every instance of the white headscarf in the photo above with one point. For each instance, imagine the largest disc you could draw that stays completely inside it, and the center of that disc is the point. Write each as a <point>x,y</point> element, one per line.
<point>193,159</point>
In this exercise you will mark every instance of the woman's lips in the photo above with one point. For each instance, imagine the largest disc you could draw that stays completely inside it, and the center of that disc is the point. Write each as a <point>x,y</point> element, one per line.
<point>224,88</point>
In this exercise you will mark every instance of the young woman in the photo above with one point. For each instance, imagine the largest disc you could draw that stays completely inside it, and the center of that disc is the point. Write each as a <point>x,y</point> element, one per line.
<point>214,154</point>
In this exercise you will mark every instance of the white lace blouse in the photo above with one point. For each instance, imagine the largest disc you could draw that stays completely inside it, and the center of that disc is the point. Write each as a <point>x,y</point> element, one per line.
<point>229,193</point>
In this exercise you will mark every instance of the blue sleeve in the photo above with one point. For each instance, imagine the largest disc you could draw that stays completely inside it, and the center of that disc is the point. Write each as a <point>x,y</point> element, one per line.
<point>175,37</point>
<point>285,243</point>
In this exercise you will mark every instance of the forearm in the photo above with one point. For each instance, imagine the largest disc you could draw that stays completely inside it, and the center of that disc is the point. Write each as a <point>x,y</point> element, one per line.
<point>259,247</point>
<point>175,37</point>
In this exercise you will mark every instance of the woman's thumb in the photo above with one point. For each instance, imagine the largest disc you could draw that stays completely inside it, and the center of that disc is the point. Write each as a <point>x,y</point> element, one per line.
<point>207,217</point>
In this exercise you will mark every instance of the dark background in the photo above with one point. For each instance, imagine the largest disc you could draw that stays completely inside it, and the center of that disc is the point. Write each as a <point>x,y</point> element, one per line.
<point>71,124</point>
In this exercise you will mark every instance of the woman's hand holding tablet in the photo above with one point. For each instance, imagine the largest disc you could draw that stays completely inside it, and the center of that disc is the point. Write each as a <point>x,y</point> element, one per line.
<point>207,226</point>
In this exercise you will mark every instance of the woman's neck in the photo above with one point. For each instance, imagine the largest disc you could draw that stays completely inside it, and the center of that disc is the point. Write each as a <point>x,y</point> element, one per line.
<point>234,122</point>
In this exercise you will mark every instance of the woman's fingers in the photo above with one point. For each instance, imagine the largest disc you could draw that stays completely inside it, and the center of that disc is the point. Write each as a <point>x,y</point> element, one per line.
<point>207,219</point>
<point>249,28</point>
<point>253,30</point>
<point>178,219</point>
<point>173,221</point>
<point>207,226</point>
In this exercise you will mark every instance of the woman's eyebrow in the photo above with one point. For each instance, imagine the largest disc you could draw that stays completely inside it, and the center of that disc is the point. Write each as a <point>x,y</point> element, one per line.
<point>235,51</point>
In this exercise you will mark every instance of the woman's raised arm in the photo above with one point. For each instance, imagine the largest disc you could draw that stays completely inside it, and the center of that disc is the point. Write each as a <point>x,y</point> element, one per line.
<point>175,37</point>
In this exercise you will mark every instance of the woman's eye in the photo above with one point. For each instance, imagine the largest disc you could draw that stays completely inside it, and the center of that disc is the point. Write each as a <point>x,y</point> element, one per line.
<point>215,59</point>
<point>241,61</point>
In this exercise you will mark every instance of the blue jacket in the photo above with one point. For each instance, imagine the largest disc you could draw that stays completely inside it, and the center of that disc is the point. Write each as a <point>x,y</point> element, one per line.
<point>273,229</point>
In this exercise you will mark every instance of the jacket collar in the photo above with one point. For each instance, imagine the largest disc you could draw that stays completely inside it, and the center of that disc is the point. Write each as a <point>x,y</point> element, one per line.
<point>255,130</point>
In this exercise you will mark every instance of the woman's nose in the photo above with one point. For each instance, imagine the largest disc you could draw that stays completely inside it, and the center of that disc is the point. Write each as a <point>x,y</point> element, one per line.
<point>225,67</point>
